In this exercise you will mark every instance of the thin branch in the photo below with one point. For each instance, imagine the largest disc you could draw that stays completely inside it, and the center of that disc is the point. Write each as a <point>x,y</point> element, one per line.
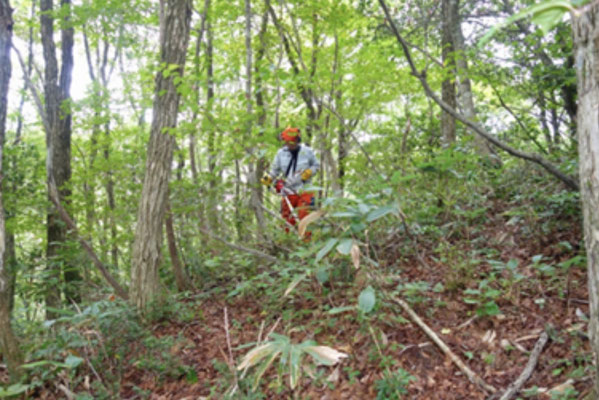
<point>53,192</point>
<point>509,110</point>
<point>569,181</point>
<point>33,90</point>
<point>528,370</point>
<point>472,376</point>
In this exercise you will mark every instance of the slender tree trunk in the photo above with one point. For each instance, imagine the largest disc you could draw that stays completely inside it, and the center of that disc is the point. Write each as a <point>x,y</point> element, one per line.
<point>212,184</point>
<point>586,32</point>
<point>181,278</point>
<point>174,37</point>
<point>58,141</point>
<point>261,120</point>
<point>464,85</point>
<point>448,94</point>
<point>9,346</point>
<point>195,117</point>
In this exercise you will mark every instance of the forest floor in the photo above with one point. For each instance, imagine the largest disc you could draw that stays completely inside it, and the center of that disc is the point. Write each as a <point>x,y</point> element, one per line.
<point>497,347</point>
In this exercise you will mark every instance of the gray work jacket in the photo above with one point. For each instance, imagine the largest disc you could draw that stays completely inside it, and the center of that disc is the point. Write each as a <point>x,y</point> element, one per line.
<point>305,160</point>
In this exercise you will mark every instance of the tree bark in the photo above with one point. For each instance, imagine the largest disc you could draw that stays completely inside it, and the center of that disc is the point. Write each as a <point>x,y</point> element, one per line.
<point>448,94</point>
<point>465,96</point>
<point>208,125</point>
<point>174,37</point>
<point>9,346</point>
<point>181,278</point>
<point>58,145</point>
<point>586,32</point>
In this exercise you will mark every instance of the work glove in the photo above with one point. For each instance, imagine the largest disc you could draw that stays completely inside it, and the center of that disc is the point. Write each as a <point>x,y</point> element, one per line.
<point>266,180</point>
<point>307,174</point>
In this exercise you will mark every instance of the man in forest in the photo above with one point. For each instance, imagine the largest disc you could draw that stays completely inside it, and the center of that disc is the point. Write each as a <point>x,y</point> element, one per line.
<point>297,164</point>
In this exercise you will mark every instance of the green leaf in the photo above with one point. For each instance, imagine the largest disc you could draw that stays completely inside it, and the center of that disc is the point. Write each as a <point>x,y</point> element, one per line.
<point>72,361</point>
<point>380,212</point>
<point>367,300</point>
<point>344,247</point>
<point>43,363</point>
<point>490,308</point>
<point>13,390</point>
<point>295,357</point>
<point>326,248</point>
<point>339,310</point>
<point>322,275</point>
<point>546,20</point>
<point>553,7</point>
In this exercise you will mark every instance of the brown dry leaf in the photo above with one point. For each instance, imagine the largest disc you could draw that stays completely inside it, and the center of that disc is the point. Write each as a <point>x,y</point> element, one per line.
<point>334,376</point>
<point>303,225</point>
<point>325,355</point>
<point>355,255</point>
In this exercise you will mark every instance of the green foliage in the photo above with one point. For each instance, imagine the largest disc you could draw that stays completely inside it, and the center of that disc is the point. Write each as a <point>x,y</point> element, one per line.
<point>484,298</point>
<point>393,384</point>
<point>367,300</point>
<point>13,390</point>
<point>290,357</point>
<point>546,14</point>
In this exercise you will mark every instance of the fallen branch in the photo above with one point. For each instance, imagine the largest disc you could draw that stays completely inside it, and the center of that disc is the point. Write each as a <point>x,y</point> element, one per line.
<point>472,376</point>
<point>527,372</point>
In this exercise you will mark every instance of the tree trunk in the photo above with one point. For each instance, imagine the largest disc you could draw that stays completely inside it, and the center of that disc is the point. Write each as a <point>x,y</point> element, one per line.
<point>586,32</point>
<point>9,346</point>
<point>261,122</point>
<point>181,279</point>
<point>58,145</point>
<point>212,185</point>
<point>174,37</point>
<point>464,85</point>
<point>448,94</point>
<point>255,170</point>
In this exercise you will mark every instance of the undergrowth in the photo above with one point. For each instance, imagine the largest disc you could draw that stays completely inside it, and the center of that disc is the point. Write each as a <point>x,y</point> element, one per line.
<point>363,252</point>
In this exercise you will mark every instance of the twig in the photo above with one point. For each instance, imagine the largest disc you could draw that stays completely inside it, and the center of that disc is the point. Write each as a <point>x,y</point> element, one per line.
<point>273,327</point>
<point>231,362</point>
<point>472,376</point>
<point>465,324</point>
<point>260,332</point>
<point>530,366</point>
<point>69,395</point>
<point>228,337</point>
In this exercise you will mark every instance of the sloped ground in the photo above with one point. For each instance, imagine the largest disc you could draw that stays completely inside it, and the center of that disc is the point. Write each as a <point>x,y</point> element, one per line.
<point>496,347</point>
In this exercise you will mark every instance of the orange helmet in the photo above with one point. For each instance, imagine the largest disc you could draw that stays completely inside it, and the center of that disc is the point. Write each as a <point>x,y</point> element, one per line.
<point>291,135</point>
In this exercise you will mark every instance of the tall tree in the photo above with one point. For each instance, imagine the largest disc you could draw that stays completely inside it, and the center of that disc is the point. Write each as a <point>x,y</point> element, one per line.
<point>448,94</point>
<point>174,37</point>
<point>586,32</point>
<point>8,343</point>
<point>255,170</point>
<point>465,95</point>
<point>57,123</point>
<point>208,120</point>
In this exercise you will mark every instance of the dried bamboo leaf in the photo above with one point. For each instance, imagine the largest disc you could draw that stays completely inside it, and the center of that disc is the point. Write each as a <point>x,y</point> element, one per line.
<point>313,216</point>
